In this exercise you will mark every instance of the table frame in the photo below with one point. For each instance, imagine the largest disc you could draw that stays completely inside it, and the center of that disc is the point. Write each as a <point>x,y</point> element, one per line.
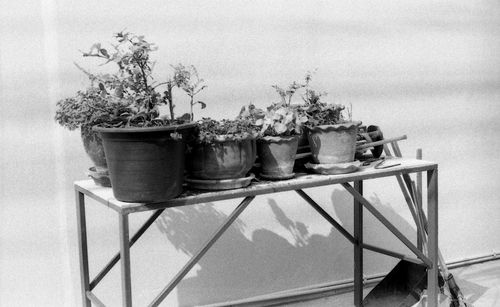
<point>302,181</point>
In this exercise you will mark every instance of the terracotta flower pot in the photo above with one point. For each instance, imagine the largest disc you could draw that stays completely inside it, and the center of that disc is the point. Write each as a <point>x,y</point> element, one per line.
<point>333,143</point>
<point>145,164</point>
<point>277,156</point>
<point>92,144</point>
<point>221,159</point>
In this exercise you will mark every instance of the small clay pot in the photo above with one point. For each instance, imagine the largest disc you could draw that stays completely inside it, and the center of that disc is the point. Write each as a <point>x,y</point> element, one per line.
<point>277,156</point>
<point>221,159</point>
<point>92,144</point>
<point>333,143</point>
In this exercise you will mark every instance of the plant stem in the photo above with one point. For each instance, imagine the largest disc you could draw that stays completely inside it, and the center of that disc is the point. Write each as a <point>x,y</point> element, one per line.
<point>170,99</point>
<point>146,88</point>
<point>192,113</point>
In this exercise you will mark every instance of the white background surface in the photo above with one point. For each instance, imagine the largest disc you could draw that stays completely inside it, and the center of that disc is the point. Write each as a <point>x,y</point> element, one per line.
<point>428,69</point>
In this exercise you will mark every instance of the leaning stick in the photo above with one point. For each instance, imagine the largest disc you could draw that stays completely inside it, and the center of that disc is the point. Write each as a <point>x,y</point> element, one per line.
<point>381,142</point>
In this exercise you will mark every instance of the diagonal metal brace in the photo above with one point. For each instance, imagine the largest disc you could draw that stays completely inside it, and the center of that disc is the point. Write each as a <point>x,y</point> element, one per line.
<point>196,257</point>
<point>327,216</point>
<point>387,224</point>
<point>134,238</point>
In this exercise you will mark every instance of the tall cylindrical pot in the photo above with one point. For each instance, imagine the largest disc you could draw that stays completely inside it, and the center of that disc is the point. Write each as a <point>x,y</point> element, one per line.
<point>145,164</point>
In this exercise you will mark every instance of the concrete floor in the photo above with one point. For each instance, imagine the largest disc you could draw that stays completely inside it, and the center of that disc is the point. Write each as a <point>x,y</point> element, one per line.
<point>480,284</point>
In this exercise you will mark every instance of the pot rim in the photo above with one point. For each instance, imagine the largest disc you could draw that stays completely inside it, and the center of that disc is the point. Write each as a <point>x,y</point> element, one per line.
<point>222,138</point>
<point>278,139</point>
<point>172,128</point>
<point>343,126</point>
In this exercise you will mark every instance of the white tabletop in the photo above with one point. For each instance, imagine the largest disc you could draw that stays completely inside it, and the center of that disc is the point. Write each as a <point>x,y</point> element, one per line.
<point>301,181</point>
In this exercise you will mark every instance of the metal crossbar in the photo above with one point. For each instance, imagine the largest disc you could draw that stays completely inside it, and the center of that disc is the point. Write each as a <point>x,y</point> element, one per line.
<point>326,216</point>
<point>134,238</point>
<point>387,224</point>
<point>384,251</point>
<point>215,236</point>
<point>91,296</point>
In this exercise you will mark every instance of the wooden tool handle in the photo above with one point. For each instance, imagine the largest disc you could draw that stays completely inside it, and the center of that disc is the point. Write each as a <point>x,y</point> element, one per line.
<point>382,142</point>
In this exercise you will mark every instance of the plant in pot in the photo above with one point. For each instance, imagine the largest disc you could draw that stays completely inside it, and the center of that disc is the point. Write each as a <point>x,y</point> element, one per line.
<point>222,154</point>
<point>280,128</point>
<point>286,94</point>
<point>331,133</point>
<point>83,111</point>
<point>144,151</point>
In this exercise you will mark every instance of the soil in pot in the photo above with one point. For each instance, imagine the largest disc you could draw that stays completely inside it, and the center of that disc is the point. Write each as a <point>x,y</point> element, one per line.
<point>221,159</point>
<point>333,143</point>
<point>145,164</point>
<point>277,156</point>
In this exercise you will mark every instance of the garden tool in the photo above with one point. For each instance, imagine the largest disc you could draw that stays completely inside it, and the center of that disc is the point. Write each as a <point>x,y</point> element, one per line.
<point>370,135</point>
<point>402,287</point>
<point>404,284</point>
<point>457,298</point>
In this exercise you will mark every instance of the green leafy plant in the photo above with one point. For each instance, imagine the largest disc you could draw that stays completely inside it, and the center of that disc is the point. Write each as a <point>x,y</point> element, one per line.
<point>89,108</point>
<point>278,120</point>
<point>210,130</point>
<point>187,79</point>
<point>128,97</point>
<point>134,80</point>
<point>319,112</point>
<point>324,114</point>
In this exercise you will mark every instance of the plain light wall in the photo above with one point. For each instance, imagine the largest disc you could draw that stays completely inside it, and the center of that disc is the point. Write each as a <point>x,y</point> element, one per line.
<point>428,69</point>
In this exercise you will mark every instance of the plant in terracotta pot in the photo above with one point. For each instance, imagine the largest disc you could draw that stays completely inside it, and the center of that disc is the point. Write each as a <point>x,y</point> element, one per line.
<point>144,150</point>
<point>331,132</point>
<point>286,95</point>
<point>222,150</point>
<point>83,111</point>
<point>280,128</point>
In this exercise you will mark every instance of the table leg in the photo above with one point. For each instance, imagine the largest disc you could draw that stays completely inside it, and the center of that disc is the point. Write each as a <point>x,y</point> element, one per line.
<point>358,247</point>
<point>432,244</point>
<point>125,260</point>
<point>82,247</point>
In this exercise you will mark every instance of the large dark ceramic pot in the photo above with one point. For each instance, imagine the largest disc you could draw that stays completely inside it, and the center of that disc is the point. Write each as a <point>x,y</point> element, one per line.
<point>333,143</point>
<point>145,164</point>
<point>221,159</point>
<point>277,156</point>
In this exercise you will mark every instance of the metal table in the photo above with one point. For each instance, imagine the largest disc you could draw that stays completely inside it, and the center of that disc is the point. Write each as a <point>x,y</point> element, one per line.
<point>105,197</point>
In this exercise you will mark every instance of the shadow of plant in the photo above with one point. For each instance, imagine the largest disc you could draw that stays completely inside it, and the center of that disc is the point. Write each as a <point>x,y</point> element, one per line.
<point>238,267</point>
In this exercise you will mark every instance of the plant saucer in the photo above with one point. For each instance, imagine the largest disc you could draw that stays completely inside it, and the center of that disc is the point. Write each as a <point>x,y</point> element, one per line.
<point>219,184</point>
<point>100,178</point>
<point>334,168</point>
<point>279,177</point>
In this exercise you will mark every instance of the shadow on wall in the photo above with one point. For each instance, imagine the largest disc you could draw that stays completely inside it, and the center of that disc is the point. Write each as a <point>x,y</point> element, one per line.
<point>237,267</point>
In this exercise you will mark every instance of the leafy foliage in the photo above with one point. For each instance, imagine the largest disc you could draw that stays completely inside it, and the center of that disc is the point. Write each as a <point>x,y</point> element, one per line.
<point>323,114</point>
<point>134,79</point>
<point>187,79</point>
<point>278,120</point>
<point>319,112</point>
<point>128,97</point>
<point>210,130</point>
<point>89,108</point>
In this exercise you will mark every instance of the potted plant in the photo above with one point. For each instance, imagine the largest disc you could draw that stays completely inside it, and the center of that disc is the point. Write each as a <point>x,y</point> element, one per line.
<point>281,129</point>
<point>83,111</point>
<point>144,151</point>
<point>222,150</point>
<point>331,133</point>
<point>286,95</point>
